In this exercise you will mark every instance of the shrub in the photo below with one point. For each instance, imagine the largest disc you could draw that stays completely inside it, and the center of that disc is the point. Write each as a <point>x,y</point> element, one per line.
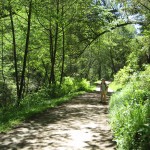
<point>82,85</point>
<point>129,113</point>
<point>5,94</point>
<point>68,86</point>
<point>122,77</point>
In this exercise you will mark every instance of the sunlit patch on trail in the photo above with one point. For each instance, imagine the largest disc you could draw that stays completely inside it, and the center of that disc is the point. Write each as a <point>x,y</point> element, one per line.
<point>78,138</point>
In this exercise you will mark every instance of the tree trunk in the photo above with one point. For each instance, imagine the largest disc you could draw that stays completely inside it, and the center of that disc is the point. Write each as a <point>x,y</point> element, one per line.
<point>14,51</point>
<point>99,72</point>
<point>52,73</point>
<point>54,49</point>
<point>25,53</point>
<point>2,71</point>
<point>63,50</point>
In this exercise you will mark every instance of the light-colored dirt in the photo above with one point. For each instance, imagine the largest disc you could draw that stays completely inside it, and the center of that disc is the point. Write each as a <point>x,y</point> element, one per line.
<point>81,124</point>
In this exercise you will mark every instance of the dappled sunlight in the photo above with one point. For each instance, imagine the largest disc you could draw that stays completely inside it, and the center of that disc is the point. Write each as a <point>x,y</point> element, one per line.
<point>83,105</point>
<point>81,124</point>
<point>78,138</point>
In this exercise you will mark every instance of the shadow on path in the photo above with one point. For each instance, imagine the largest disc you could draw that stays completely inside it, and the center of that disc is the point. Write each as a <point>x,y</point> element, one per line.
<point>81,124</point>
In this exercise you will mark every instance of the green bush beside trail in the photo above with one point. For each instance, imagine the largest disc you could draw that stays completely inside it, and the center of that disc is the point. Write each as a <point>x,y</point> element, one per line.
<point>130,112</point>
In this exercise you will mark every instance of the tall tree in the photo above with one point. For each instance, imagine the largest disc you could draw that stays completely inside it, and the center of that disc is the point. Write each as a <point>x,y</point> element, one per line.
<point>25,53</point>
<point>63,47</point>
<point>2,81</point>
<point>14,48</point>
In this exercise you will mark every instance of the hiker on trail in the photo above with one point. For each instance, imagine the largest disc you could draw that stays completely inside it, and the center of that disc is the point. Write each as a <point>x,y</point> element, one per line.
<point>103,89</point>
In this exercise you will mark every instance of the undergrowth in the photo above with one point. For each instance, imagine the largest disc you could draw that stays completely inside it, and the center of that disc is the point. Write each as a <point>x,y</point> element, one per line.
<point>130,113</point>
<point>43,99</point>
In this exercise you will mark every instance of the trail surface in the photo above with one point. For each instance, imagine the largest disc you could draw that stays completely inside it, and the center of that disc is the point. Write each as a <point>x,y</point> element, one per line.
<point>81,124</point>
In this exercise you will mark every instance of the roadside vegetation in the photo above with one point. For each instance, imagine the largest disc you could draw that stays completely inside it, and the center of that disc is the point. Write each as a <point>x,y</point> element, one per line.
<point>37,102</point>
<point>130,110</point>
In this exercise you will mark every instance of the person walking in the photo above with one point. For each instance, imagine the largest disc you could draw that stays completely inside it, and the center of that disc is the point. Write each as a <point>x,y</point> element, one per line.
<point>103,90</point>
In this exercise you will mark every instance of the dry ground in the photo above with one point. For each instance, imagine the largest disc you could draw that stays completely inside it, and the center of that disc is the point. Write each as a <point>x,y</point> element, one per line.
<point>81,124</point>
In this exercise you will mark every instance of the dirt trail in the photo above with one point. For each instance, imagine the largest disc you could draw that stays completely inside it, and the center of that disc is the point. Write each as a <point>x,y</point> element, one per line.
<point>81,124</point>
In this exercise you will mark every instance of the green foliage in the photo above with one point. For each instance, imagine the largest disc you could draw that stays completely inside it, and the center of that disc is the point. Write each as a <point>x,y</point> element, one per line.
<point>68,86</point>
<point>82,85</point>
<point>5,95</point>
<point>129,112</point>
<point>45,98</point>
<point>121,78</point>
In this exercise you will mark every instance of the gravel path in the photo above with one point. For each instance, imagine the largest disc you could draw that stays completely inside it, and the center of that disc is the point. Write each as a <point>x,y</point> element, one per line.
<point>81,124</point>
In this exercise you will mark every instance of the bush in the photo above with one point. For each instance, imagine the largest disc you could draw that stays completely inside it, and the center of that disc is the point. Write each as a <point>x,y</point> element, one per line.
<point>68,86</point>
<point>5,94</point>
<point>122,77</point>
<point>71,85</point>
<point>82,85</point>
<point>129,112</point>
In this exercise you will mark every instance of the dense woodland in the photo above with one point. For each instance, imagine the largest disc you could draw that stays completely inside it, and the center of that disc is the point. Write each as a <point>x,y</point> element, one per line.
<point>48,46</point>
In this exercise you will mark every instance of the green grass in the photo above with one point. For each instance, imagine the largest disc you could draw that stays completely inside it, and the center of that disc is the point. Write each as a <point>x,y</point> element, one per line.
<point>30,106</point>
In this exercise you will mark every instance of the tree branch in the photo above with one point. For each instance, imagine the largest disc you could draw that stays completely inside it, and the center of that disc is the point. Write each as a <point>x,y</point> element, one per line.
<point>144,6</point>
<point>106,31</point>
